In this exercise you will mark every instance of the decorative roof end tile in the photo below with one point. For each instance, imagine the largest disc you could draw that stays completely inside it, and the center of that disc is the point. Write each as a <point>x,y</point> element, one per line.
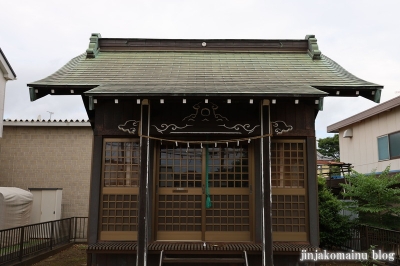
<point>313,50</point>
<point>93,49</point>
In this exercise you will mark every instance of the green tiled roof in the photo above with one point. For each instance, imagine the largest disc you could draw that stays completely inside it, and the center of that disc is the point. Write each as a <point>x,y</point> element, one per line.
<point>176,72</point>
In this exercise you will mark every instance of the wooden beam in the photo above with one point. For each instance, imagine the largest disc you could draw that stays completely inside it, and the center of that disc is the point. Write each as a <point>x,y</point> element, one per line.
<point>143,221</point>
<point>95,190</point>
<point>313,216</point>
<point>267,250</point>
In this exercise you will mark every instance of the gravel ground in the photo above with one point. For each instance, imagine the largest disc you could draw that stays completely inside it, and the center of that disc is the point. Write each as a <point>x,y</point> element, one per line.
<point>73,256</point>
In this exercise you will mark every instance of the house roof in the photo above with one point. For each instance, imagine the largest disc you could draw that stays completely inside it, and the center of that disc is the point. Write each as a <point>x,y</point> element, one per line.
<point>322,157</point>
<point>383,107</point>
<point>203,67</point>
<point>6,68</point>
<point>47,123</point>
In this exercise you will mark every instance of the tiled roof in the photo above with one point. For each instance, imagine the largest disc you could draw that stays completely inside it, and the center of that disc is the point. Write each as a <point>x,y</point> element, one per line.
<point>49,120</point>
<point>178,71</point>
<point>323,157</point>
<point>53,122</point>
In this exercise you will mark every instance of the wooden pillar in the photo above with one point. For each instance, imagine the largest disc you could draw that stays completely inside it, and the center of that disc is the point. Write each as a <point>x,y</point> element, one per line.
<point>143,223</point>
<point>95,188</point>
<point>266,192</point>
<point>313,214</point>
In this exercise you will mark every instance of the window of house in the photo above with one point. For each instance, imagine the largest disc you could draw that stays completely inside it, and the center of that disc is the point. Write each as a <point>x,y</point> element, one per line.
<point>389,146</point>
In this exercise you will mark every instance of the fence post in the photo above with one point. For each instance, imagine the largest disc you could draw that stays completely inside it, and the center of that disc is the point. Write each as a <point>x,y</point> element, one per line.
<point>70,229</point>
<point>75,228</point>
<point>366,235</point>
<point>21,243</point>
<point>51,235</point>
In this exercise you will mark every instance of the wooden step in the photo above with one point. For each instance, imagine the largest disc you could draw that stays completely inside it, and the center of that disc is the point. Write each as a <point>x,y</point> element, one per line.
<point>202,260</point>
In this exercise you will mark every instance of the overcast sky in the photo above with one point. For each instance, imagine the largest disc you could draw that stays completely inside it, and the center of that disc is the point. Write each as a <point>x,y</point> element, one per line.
<point>38,37</point>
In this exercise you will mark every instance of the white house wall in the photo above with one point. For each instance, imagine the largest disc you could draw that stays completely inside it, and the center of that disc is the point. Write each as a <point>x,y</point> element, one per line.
<point>6,73</point>
<point>2,97</point>
<point>362,149</point>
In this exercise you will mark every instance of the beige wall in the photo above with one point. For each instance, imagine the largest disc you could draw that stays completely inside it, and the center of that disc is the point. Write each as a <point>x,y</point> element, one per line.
<point>362,149</point>
<point>49,157</point>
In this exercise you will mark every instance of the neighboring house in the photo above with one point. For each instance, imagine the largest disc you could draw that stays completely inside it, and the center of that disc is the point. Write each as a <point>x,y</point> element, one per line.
<point>329,168</point>
<point>46,155</point>
<point>6,73</point>
<point>370,140</point>
<point>323,164</point>
<point>192,140</point>
<point>333,171</point>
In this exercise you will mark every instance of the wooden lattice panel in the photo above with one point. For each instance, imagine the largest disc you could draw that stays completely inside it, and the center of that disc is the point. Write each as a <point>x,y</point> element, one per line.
<point>228,213</point>
<point>229,167</point>
<point>121,164</point>
<point>120,189</point>
<point>288,213</point>
<point>180,166</point>
<point>179,213</point>
<point>288,164</point>
<point>119,213</point>
<point>181,190</point>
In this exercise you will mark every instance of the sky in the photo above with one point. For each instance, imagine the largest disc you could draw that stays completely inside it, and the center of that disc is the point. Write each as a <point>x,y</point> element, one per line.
<point>39,37</point>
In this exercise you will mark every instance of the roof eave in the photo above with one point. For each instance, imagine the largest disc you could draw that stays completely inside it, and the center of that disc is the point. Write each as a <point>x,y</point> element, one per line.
<point>386,106</point>
<point>372,92</point>
<point>216,94</point>
<point>5,66</point>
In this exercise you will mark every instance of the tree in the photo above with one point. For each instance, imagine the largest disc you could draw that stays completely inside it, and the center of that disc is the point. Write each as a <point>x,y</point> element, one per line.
<point>334,228</point>
<point>376,198</point>
<point>329,146</point>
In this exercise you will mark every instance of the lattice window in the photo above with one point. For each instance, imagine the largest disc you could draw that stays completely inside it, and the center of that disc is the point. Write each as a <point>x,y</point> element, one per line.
<point>288,213</point>
<point>179,166</point>
<point>121,163</point>
<point>288,168</point>
<point>179,213</point>
<point>120,189</point>
<point>119,213</point>
<point>288,180</point>
<point>228,213</point>
<point>229,167</point>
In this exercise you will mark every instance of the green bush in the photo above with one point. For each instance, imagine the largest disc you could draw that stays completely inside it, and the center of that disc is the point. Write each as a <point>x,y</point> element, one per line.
<point>376,198</point>
<point>334,228</point>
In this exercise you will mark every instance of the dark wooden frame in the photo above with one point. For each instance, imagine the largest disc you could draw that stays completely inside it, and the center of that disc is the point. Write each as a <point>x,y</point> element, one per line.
<point>303,124</point>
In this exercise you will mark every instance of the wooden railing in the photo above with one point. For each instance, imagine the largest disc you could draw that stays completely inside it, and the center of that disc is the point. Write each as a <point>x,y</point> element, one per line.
<point>364,237</point>
<point>24,241</point>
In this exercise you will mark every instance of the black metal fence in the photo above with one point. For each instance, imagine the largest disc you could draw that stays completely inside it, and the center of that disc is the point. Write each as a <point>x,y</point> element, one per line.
<point>387,241</point>
<point>20,242</point>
